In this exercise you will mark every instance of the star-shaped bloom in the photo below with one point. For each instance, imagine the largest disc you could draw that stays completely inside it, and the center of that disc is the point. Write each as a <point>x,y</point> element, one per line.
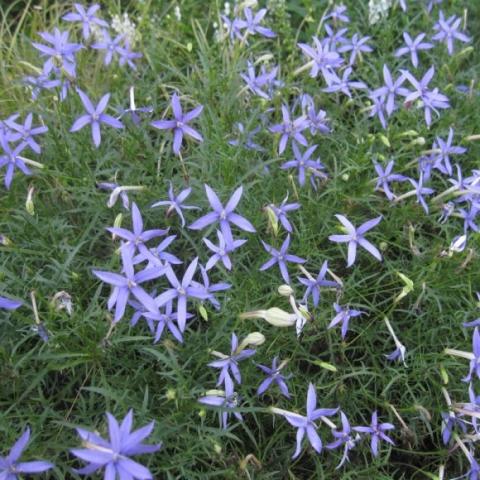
<point>87,17</point>
<point>343,316</point>
<point>128,283</point>
<point>228,399</point>
<point>59,51</point>
<point>413,46</point>
<point>158,257</point>
<point>167,318</point>
<point>12,159</point>
<point>179,124</point>
<point>306,424</point>
<point>385,176</point>
<point>252,25</point>
<point>335,37</point>
<point>280,257</point>
<point>223,214</point>
<point>290,129</point>
<point>342,84</point>
<point>355,237</point>
<point>221,251</point>
<point>11,468</point>
<point>136,240</point>
<point>377,433</point>
<point>314,284</point>
<point>40,82</point>
<point>282,211</point>
<point>94,117</point>
<point>322,58</point>
<point>211,288</point>
<point>304,164</point>
<point>356,45</point>
<point>229,363</point>
<point>343,437</point>
<point>448,31</point>
<point>9,304</point>
<point>25,133</point>
<point>114,454</point>
<point>182,291</point>
<point>338,14</point>
<point>420,191</point>
<point>274,375</point>
<point>127,55</point>
<point>390,89</point>
<point>175,203</point>
<point>430,99</point>
<point>445,149</point>
<point>112,46</point>
<point>378,108</point>
<point>264,79</point>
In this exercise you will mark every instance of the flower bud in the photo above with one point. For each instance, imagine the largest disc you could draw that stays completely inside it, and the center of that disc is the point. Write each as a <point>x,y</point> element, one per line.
<point>285,290</point>
<point>252,339</point>
<point>29,203</point>
<point>275,316</point>
<point>171,394</point>
<point>458,244</point>
<point>203,312</point>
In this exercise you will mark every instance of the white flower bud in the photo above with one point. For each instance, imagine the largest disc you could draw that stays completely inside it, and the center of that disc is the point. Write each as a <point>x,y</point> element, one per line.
<point>275,316</point>
<point>252,339</point>
<point>285,290</point>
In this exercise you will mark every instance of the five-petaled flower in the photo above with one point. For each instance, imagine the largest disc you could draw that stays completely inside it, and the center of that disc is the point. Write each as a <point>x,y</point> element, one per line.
<point>377,433</point>
<point>306,424</point>
<point>95,116</point>
<point>11,468</point>
<point>179,124</point>
<point>355,237</point>
<point>223,214</point>
<point>281,257</point>
<point>114,454</point>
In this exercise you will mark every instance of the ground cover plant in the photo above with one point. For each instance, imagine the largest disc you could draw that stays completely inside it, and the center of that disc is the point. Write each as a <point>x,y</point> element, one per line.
<point>240,240</point>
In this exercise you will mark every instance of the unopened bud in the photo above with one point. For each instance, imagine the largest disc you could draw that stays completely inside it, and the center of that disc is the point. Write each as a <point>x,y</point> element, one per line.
<point>458,244</point>
<point>29,203</point>
<point>203,312</point>
<point>252,339</point>
<point>275,316</point>
<point>419,141</point>
<point>285,290</point>
<point>171,394</point>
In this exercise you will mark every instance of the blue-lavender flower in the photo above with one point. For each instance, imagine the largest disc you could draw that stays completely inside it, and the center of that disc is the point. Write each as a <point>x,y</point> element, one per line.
<point>175,203</point>
<point>306,424</point>
<point>355,237</point>
<point>114,454</point>
<point>280,257</point>
<point>377,433</point>
<point>228,364</point>
<point>179,124</point>
<point>87,18</point>
<point>94,117</point>
<point>224,215</point>
<point>11,468</point>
